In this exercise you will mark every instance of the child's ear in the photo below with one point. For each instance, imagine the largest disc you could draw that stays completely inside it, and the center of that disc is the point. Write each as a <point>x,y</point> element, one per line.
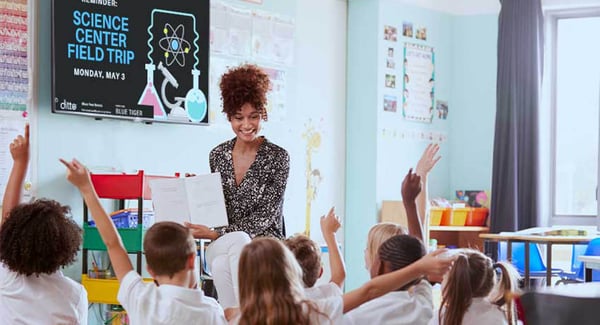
<point>190,263</point>
<point>321,272</point>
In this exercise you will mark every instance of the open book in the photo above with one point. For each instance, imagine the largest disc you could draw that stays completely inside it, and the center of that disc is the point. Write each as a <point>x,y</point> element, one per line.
<point>197,200</point>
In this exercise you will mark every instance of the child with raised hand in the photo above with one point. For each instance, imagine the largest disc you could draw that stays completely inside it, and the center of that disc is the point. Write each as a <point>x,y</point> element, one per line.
<point>472,293</point>
<point>170,252</point>
<point>308,255</point>
<point>411,303</point>
<point>425,164</point>
<point>36,240</point>
<point>271,289</point>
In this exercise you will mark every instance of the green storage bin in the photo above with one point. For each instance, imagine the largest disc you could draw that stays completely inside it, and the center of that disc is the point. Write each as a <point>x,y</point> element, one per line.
<point>131,237</point>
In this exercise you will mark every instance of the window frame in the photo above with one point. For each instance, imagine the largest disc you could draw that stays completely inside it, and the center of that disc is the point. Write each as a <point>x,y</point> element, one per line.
<point>552,19</point>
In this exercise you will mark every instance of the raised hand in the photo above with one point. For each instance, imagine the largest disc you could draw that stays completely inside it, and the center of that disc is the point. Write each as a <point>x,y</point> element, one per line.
<point>77,174</point>
<point>330,223</point>
<point>411,186</point>
<point>19,148</point>
<point>428,160</point>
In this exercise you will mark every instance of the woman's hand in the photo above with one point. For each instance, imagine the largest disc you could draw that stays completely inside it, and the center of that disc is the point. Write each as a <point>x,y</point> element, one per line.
<point>201,231</point>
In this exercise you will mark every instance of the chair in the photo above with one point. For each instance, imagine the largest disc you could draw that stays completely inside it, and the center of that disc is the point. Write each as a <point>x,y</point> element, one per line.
<point>537,268</point>
<point>593,249</point>
<point>552,309</point>
<point>206,281</point>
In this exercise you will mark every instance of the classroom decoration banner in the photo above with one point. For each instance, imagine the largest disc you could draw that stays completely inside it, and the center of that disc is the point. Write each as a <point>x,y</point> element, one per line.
<point>14,63</point>
<point>143,60</point>
<point>418,83</point>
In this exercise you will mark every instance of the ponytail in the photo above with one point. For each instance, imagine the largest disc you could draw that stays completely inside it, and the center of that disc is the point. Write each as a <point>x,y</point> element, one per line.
<point>505,286</point>
<point>457,292</point>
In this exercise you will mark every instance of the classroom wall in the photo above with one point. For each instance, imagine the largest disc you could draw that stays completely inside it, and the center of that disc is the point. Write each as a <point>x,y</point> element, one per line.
<point>465,52</point>
<point>473,76</point>
<point>316,97</point>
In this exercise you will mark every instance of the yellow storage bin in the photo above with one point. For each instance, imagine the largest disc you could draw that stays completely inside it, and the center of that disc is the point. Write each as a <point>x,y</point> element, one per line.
<point>436,215</point>
<point>456,217</point>
<point>102,291</point>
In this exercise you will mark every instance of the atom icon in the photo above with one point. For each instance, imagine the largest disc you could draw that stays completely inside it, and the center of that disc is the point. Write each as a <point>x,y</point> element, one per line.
<point>175,46</point>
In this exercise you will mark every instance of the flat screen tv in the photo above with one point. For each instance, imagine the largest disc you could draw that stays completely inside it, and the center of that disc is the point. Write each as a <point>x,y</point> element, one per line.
<point>143,60</point>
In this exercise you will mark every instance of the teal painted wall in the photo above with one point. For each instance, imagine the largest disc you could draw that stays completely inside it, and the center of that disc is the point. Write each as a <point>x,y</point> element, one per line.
<point>465,63</point>
<point>361,134</point>
<point>473,108</point>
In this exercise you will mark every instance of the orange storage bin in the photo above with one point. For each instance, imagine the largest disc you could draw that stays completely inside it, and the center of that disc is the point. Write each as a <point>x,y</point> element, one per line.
<point>456,217</point>
<point>477,217</point>
<point>436,215</point>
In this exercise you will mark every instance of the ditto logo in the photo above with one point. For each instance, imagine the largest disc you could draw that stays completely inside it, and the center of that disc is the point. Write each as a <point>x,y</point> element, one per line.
<point>65,105</point>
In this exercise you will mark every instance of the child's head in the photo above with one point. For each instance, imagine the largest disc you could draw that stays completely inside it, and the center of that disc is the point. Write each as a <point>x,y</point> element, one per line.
<point>308,255</point>
<point>474,276</point>
<point>396,253</point>
<point>270,285</point>
<point>377,235</point>
<point>169,248</point>
<point>39,238</point>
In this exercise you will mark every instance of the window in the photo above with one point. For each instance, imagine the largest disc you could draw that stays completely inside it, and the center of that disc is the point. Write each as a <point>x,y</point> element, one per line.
<point>575,118</point>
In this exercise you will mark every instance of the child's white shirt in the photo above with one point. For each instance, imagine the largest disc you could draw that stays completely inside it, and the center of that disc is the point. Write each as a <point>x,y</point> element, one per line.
<point>41,299</point>
<point>330,312</point>
<point>147,303</point>
<point>323,291</point>
<point>481,311</point>
<point>397,307</point>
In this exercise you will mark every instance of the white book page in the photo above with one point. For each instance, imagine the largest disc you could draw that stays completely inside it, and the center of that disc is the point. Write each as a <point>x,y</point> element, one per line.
<point>169,199</point>
<point>206,200</point>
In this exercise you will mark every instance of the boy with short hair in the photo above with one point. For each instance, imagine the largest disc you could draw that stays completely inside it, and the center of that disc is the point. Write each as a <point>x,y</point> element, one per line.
<point>170,252</point>
<point>308,254</point>
<point>36,240</point>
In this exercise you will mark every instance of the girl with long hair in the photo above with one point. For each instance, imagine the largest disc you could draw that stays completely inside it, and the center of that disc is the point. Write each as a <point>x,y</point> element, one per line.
<point>472,293</point>
<point>271,290</point>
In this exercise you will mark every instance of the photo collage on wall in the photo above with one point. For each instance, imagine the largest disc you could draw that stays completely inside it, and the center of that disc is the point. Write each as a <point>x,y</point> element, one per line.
<point>409,76</point>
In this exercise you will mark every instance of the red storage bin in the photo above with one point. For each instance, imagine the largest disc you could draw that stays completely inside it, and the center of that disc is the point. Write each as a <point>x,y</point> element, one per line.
<point>477,217</point>
<point>119,186</point>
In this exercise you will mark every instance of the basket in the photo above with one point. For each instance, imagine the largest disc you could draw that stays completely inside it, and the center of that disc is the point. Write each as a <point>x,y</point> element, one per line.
<point>477,217</point>
<point>456,217</point>
<point>436,215</point>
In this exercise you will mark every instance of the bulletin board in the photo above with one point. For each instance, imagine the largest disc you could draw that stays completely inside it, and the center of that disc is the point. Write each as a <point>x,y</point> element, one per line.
<point>418,82</point>
<point>17,81</point>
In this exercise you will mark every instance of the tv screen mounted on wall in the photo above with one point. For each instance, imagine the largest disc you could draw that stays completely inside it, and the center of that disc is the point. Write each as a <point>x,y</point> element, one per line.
<point>143,60</point>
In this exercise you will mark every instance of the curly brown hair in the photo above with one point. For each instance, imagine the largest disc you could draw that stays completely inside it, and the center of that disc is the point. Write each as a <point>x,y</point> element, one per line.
<point>246,84</point>
<point>39,238</point>
<point>308,255</point>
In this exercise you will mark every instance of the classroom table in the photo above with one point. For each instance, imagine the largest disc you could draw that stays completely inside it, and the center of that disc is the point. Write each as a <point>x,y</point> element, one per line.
<point>548,240</point>
<point>590,263</point>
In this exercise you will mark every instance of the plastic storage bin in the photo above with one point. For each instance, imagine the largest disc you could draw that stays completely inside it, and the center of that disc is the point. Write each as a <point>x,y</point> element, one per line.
<point>456,217</point>
<point>436,215</point>
<point>477,217</point>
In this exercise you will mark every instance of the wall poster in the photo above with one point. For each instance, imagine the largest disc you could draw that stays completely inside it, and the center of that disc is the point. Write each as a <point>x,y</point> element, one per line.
<point>418,83</point>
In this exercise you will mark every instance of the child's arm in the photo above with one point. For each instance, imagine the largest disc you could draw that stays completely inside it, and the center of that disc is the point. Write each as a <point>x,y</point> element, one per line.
<point>430,264</point>
<point>79,176</point>
<point>329,226</point>
<point>19,150</point>
<point>411,187</point>
<point>426,163</point>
